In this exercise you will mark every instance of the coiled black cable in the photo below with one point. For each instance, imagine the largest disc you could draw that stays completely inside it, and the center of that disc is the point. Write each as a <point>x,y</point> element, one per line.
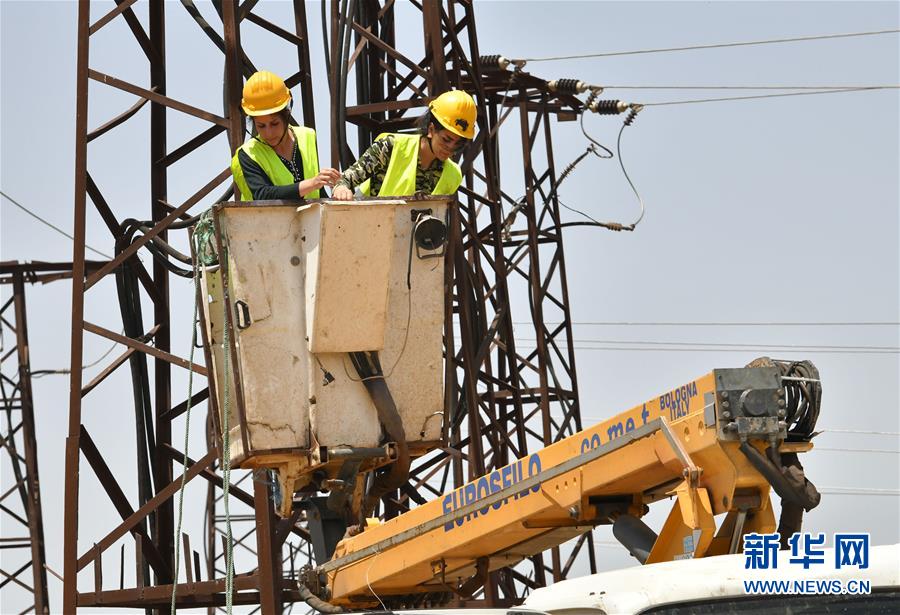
<point>802,395</point>
<point>803,398</point>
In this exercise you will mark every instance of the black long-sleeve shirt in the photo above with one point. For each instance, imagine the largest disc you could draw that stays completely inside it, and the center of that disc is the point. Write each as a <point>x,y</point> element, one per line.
<point>262,188</point>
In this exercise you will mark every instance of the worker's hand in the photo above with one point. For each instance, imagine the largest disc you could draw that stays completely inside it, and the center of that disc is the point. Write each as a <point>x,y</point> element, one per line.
<point>326,177</point>
<point>330,175</point>
<point>342,193</point>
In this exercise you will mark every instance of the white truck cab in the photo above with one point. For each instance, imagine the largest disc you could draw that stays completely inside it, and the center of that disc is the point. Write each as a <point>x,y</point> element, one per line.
<point>716,585</point>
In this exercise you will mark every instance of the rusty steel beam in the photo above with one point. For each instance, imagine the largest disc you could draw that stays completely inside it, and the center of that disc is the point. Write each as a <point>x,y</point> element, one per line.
<point>70,502</point>
<point>495,390</point>
<point>20,442</point>
<point>151,519</point>
<point>492,387</point>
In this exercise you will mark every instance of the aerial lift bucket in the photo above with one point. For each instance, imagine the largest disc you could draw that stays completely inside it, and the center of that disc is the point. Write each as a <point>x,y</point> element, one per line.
<point>291,295</point>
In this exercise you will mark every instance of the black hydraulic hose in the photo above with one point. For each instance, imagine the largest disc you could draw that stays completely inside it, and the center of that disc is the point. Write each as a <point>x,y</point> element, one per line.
<point>343,70</point>
<point>145,227</point>
<point>325,42</point>
<point>175,225</point>
<point>315,602</point>
<point>369,369</point>
<point>159,248</point>
<point>780,484</point>
<point>363,87</point>
<point>188,222</point>
<point>171,267</point>
<point>164,248</point>
<point>129,306</point>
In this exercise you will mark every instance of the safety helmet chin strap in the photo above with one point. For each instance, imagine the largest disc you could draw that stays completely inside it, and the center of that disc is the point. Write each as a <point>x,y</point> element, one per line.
<point>283,135</point>
<point>287,124</point>
<point>287,127</point>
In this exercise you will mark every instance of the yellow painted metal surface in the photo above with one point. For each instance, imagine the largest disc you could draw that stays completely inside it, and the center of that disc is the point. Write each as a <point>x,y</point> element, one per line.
<point>559,508</point>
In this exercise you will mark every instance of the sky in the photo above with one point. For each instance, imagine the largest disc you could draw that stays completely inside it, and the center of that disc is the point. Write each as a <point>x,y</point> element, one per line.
<point>779,210</point>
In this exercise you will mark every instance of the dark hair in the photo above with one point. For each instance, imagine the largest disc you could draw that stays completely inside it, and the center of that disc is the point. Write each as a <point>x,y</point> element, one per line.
<point>284,114</point>
<point>425,121</point>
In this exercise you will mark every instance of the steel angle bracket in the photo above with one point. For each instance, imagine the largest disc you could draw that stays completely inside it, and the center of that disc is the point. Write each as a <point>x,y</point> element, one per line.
<point>690,526</point>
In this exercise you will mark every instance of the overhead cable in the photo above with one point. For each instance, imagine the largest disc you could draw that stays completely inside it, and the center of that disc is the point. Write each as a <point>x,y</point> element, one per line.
<point>744,350</point>
<point>858,450</point>
<point>748,87</point>
<point>727,344</point>
<point>856,491</point>
<point>50,224</point>
<point>617,323</point>
<point>861,431</point>
<point>794,39</point>
<point>759,96</point>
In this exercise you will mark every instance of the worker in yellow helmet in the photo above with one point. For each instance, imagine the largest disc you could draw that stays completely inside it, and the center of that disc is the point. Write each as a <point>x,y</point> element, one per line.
<point>280,161</point>
<point>405,165</point>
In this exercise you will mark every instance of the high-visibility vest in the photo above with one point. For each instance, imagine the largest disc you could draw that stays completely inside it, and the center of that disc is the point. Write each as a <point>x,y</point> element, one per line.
<point>400,177</point>
<point>262,154</point>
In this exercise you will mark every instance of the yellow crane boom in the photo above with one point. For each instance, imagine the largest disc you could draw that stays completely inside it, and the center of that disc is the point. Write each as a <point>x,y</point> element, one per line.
<point>712,443</point>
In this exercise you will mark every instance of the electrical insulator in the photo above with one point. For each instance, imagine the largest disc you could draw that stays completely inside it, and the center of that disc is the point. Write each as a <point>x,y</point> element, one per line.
<point>567,86</point>
<point>632,113</point>
<point>494,62</point>
<point>608,107</point>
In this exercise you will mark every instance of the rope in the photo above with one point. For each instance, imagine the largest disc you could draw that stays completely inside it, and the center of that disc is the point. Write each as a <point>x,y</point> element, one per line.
<point>226,460</point>
<point>187,430</point>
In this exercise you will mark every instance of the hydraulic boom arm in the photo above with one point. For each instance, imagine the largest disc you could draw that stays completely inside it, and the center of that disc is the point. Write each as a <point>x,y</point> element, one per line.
<point>716,444</point>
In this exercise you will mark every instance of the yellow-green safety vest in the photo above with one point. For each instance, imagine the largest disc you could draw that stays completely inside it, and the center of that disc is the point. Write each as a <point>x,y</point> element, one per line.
<point>400,177</point>
<point>262,154</point>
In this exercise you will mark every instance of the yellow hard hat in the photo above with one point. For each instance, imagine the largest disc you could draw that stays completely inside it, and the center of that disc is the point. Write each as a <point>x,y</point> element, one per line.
<point>264,93</point>
<point>456,112</point>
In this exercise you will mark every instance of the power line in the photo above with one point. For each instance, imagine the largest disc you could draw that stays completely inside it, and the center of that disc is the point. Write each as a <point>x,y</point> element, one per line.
<point>607,544</point>
<point>793,39</point>
<point>724,324</point>
<point>854,491</point>
<point>858,450</point>
<point>759,96</point>
<point>56,372</point>
<point>744,350</point>
<point>50,224</point>
<point>745,87</point>
<point>861,431</point>
<point>724,344</point>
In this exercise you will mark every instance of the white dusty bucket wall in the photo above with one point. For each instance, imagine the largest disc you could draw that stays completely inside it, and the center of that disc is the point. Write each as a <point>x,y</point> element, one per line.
<point>415,373</point>
<point>340,412</point>
<point>347,303</point>
<point>274,253</point>
<point>266,263</point>
<point>343,413</point>
<point>213,313</point>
